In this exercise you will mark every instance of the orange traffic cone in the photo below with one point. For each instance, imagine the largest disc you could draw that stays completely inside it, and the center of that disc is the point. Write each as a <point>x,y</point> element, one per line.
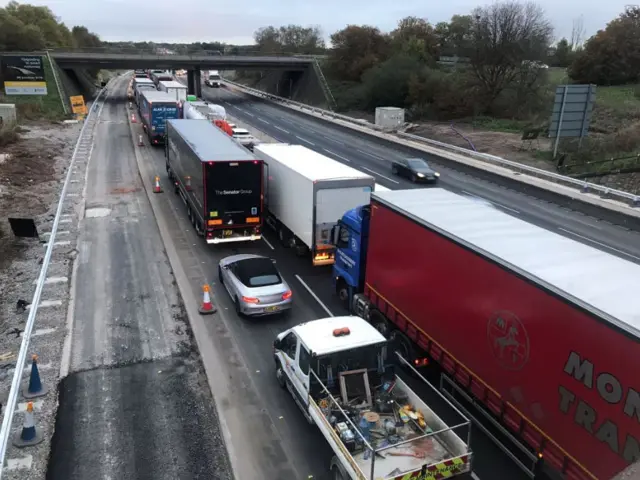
<point>187,181</point>
<point>157,188</point>
<point>140,142</point>
<point>133,118</point>
<point>207,307</point>
<point>29,435</point>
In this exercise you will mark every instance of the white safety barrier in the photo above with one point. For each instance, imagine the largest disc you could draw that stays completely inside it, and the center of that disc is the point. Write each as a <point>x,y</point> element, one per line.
<point>619,195</point>
<point>5,430</point>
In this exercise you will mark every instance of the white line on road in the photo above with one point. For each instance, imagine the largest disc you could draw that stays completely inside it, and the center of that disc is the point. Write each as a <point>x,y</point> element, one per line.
<point>314,295</point>
<point>263,121</point>
<point>283,130</point>
<point>73,195</point>
<point>65,220</point>
<point>241,110</point>
<point>380,175</point>
<point>305,140</point>
<point>267,242</point>
<point>377,157</point>
<point>334,140</point>
<point>598,243</point>
<point>250,114</point>
<point>474,476</point>
<point>336,155</point>
<point>59,232</point>
<point>491,202</point>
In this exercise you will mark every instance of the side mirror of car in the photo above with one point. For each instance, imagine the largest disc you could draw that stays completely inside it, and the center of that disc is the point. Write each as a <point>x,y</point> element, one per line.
<point>273,260</point>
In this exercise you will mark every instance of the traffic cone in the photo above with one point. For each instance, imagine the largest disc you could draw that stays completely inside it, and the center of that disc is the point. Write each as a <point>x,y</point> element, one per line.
<point>35,388</point>
<point>207,307</point>
<point>133,118</point>
<point>187,181</point>
<point>140,142</point>
<point>29,435</point>
<point>157,188</point>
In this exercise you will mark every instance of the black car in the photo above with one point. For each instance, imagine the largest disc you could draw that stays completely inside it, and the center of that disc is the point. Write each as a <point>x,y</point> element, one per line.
<point>415,169</point>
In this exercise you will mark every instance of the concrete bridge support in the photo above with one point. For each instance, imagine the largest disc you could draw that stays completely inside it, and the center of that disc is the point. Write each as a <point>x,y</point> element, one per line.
<point>194,85</point>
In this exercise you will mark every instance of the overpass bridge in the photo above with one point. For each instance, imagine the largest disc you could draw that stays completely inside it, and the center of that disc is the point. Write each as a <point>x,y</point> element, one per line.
<point>296,71</point>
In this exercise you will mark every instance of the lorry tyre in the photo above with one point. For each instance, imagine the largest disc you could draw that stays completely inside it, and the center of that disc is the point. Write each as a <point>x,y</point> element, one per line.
<point>337,473</point>
<point>380,323</point>
<point>342,290</point>
<point>401,344</point>
<point>283,236</point>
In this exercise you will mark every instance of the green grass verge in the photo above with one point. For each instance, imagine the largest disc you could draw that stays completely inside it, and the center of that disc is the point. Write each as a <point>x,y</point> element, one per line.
<point>39,107</point>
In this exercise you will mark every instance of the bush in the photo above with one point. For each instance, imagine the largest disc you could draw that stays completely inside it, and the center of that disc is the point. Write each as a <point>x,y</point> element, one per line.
<point>387,84</point>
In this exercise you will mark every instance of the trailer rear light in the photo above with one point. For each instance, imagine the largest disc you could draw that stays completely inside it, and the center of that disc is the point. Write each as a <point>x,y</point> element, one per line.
<point>212,223</point>
<point>421,362</point>
<point>253,219</point>
<point>250,300</point>
<point>341,332</point>
<point>287,295</point>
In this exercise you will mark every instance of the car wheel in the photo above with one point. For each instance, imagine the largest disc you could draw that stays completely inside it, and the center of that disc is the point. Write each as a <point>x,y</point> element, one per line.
<point>282,381</point>
<point>220,275</point>
<point>394,170</point>
<point>238,309</point>
<point>414,178</point>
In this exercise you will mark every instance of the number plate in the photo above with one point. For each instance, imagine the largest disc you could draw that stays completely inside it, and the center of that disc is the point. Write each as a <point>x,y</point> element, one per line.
<point>272,309</point>
<point>227,233</point>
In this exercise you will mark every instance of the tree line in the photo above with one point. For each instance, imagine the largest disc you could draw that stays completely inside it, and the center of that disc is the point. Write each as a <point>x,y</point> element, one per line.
<point>493,61</point>
<point>25,27</point>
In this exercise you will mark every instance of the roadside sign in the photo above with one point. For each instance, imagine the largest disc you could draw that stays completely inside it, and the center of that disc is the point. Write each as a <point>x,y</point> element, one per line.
<point>23,75</point>
<point>77,105</point>
<point>572,110</point>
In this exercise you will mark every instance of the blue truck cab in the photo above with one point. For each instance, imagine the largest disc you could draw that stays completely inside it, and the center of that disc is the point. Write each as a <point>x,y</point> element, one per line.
<point>155,109</point>
<point>350,237</point>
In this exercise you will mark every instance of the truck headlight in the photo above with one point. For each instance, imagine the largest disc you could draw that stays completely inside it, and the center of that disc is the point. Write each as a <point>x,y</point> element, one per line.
<point>421,175</point>
<point>437,174</point>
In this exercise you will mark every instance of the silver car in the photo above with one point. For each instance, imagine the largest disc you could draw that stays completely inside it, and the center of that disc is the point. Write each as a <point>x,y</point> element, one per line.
<point>255,285</point>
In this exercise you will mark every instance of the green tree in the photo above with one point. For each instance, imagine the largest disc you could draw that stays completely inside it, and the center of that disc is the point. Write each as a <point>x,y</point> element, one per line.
<point>611,56</point>
<point>387,84</point>
<point>355,50</point>
<point>83,38</point>
<point>289,39</point>
<point>416,37</point>
<point>16,36</point>
<point>56,34</point>
<point>563,54</point>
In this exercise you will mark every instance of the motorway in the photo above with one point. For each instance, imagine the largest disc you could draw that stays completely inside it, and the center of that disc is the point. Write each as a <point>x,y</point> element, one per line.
<point>374,157</point>
<point>134,403</point>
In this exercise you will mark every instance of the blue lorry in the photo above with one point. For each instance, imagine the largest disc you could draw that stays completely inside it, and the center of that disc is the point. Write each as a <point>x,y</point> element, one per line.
<point>155,109</point>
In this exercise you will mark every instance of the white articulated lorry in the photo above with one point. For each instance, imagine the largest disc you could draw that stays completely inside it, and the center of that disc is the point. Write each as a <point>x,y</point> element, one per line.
<point>201,110</point>
<point>305,195</point>
<point>339,375</point>
<point>174,88</point>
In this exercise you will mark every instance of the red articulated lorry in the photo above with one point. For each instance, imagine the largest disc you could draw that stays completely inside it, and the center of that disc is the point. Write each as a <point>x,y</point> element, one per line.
<point>537,331</point>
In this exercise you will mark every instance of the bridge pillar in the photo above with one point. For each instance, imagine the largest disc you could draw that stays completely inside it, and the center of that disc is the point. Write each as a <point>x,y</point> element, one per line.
<point>191,89</point>
<point>197,80</point>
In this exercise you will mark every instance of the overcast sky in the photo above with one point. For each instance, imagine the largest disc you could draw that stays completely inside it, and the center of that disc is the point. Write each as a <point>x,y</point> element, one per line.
<point>185,21</point>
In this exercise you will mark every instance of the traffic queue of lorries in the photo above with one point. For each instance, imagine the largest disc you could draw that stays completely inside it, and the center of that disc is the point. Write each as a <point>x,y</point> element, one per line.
<point>504,313</point>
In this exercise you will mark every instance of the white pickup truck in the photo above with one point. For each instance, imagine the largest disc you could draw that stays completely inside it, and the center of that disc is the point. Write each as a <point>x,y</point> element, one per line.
<point>338,374</point>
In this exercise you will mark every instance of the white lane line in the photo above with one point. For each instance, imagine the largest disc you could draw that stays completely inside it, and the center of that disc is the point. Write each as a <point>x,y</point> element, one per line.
<point>250,114</point>
<point>377,157</point>
<point>66,220</point>
<point>283,130</point>
<point>73,194</point>
<point>263,121</point>
<point>380,175</point>
<point>598,243</point>
<point>305,140</point>
<point>241,110</point>
<point>267,242</point>
<point>334,140</point>
<point>336,155</point>
<point>474,476</point>
<point>491,202</point>
<point>314,295</point>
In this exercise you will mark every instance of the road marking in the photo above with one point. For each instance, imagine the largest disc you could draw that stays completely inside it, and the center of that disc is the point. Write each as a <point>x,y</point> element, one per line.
<point>18,463</point>
<point>474,476</point>
<point>334,140</point>
<point>263,121</point>
<point>598,243</point>
<point>305,140</point>
<point>314,295</point>
<point>73,194</point>
<point>66,220</point>
<point>371,155</point>
<point>336,155</point>
<point>380,175</point>
<point>268,243</point>
<point>250,114</point>
<point>241,110</point>
<point>491,202</point>
<point>61,232</point>
<point>51,280</point>
<point>282,130</point>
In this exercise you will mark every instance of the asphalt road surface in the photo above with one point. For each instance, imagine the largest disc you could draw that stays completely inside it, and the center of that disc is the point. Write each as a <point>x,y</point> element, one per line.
<point>136,403</point>
<point>373,157</point>
<point>306,450</point>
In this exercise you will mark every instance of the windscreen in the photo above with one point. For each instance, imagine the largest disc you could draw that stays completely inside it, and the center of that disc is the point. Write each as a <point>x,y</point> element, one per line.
<point>257,272</point>
<point>161,113</point>
<point>234,193</point>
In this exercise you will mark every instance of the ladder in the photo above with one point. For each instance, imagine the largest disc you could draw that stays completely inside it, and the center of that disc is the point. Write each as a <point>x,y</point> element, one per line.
<point>324,84</point>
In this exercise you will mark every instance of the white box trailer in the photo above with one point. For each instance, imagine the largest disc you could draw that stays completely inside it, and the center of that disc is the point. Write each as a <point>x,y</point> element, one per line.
<point>389,118</point>
<point>202,110</point>
<point>174,88</point>
<point>305,195</point>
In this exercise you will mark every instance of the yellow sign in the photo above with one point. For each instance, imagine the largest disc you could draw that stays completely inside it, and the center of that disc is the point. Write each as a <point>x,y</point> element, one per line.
<point>77,105</point>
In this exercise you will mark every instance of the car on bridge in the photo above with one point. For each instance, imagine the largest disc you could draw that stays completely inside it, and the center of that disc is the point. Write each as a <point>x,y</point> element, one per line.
<point>415,169</point>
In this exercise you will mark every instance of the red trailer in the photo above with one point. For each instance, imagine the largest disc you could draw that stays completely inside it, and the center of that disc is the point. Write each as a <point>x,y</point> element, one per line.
<point>539,329</point>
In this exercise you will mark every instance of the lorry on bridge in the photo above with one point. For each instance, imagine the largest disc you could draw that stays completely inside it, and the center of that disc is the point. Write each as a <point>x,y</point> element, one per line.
<point>337,371</point>
<point>534,332</point>
<point>306,193</point>
<point>155,109</point>
<point>220,182</point>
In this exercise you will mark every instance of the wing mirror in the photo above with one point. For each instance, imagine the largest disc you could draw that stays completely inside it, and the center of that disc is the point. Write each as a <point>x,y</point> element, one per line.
<point>273,260</point>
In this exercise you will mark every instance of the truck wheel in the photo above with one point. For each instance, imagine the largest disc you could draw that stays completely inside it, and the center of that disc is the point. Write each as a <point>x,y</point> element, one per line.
<point>283,236</point>
<point>342,290</point>
<point>401,344</point>
<point>337,474</point>
<point>380,324</point>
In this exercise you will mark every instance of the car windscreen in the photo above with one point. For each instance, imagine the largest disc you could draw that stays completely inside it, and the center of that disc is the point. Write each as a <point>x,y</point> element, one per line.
<point>257,272</point>
<point>415,163</point>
